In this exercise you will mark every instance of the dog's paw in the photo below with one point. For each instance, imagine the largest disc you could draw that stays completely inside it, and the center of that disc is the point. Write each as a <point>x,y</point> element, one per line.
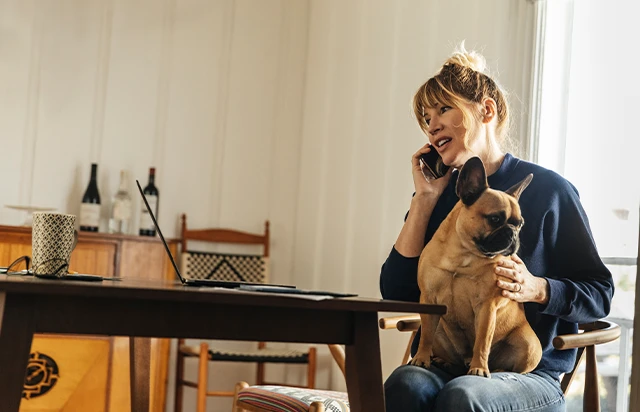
<point>479,372</point>
<point>421,360</point>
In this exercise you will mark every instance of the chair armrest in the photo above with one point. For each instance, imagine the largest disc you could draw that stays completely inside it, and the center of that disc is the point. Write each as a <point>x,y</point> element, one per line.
<point>595,333</point>
<point>405,323</point>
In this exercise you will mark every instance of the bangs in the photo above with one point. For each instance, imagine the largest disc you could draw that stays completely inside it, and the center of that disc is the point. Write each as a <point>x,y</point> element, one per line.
<point>431,94</point>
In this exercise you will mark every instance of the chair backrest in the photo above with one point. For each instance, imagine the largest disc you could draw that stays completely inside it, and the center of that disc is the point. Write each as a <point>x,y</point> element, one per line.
<point>224,266</point>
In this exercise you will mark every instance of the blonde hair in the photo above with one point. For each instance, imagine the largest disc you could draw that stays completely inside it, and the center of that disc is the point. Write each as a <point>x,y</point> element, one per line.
<point>461,83</point>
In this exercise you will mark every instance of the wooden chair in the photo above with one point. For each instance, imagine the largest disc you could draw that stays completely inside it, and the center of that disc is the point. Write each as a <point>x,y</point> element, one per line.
<point>593,334</point>
<point>226,266</point>
<point>247,398</point>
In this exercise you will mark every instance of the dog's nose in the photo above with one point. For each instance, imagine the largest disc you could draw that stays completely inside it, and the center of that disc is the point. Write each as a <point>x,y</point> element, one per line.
<point>515,222</point>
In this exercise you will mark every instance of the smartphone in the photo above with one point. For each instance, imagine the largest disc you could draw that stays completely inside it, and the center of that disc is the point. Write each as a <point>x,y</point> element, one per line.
<point>432,165</point>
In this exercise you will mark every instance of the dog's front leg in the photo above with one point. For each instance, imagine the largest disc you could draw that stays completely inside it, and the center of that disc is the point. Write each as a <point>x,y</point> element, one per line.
<point>485,324</point>
<point>429,324</point>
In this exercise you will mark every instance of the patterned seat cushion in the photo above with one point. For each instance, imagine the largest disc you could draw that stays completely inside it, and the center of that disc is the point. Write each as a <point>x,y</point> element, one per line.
<point>287,399</point>
<point>224,266</point>
<point>257,355</point>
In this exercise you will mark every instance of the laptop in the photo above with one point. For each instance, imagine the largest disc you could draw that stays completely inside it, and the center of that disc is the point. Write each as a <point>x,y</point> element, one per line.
<point>199,282</point>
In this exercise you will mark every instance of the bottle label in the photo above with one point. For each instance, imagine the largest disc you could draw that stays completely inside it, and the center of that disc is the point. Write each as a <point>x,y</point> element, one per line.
<point>145,219</point>
<point>90,214</point>
<point>121,210</point>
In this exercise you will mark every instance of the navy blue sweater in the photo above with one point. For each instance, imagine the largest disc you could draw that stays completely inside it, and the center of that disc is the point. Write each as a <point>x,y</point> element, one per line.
<point>555,243</point>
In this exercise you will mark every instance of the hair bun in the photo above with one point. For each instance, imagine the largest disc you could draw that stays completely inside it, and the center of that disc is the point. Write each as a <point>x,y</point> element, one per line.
<point>470,59</point>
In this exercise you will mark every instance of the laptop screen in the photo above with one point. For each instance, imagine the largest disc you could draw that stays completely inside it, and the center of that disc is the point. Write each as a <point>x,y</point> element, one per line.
<point>155,223</point>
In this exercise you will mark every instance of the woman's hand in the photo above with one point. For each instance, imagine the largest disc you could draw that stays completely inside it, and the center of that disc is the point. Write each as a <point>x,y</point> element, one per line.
<point>432,187</point>
<point>410,241</point>
<point>520,285</point>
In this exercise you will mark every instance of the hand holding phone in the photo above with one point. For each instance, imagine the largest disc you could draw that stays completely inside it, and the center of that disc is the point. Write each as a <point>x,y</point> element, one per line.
<point>432,165</point>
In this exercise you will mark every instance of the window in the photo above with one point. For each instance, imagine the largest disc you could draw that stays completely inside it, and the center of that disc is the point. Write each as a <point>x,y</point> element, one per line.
<point>589,106</point>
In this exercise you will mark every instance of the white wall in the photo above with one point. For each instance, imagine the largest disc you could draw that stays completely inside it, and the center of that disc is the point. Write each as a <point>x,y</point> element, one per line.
<point>292,110</point>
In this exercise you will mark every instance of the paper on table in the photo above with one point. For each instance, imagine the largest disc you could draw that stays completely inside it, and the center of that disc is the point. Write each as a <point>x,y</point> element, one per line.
<point>293,291</point>
<point>287,295</point>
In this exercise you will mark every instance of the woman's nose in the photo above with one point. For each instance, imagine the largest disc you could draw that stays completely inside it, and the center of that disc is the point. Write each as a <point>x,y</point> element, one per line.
<point>434,126</point>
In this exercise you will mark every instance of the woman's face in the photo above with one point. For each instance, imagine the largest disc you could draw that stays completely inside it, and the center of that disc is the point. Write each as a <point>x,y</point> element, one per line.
<point>446,133</point>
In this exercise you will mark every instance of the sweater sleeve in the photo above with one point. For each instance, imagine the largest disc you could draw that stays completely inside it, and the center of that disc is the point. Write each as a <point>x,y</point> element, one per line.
<point>580,285</point>
<point>399,278</point>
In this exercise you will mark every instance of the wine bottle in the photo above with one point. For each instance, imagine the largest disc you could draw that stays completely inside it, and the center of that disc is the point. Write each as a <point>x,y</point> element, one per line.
<point>151,193</point>
<point>90,207</point>
<point>120,219</point>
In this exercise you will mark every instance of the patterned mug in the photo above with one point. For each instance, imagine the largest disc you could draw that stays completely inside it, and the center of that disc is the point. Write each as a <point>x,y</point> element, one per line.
<point>53,238</point>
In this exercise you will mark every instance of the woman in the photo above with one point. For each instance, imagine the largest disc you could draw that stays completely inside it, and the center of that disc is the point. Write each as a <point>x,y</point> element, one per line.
<point>557,272</point>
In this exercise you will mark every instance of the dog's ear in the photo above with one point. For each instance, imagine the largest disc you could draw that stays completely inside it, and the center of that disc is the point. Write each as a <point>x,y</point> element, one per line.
<point>517,189</point>
<point>472,181</point>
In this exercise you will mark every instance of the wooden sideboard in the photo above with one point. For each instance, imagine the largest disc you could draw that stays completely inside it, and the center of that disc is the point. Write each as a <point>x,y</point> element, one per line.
<point>94,371</point>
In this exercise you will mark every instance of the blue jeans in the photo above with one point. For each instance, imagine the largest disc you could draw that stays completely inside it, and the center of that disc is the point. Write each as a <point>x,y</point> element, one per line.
<point>415,389</point>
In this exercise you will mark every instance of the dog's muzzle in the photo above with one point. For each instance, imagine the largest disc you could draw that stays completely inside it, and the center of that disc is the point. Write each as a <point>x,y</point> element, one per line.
<point>502,241</point>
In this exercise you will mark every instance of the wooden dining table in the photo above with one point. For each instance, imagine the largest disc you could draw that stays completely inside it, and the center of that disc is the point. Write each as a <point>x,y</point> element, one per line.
<point>143,309</point>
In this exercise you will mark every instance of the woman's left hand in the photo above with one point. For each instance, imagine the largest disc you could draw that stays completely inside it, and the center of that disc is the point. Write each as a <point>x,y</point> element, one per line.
<point>520,285</point>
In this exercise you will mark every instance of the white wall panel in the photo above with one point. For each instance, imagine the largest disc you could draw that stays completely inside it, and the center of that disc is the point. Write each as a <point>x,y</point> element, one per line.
<point>133,94</point>
<point>313,156</point>
<point>62,124</point>
<point>19,35</point>
<point>284,151</point>
<point>192,156</point>
<point>249,130</point>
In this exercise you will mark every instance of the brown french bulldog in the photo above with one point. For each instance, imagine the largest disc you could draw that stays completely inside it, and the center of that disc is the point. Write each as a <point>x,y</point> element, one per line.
<point>481,328</point>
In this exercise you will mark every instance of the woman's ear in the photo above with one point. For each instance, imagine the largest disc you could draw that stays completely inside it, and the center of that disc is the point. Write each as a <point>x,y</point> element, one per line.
<point>489,109</point>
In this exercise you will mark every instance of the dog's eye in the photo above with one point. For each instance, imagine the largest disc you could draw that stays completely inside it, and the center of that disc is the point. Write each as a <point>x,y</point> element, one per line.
<point>495,220</point>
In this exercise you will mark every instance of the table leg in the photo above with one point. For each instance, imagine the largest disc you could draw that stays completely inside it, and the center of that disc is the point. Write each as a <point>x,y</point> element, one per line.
<point>364,366</point>
<point>139,369</point>
<point>17,325</point>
